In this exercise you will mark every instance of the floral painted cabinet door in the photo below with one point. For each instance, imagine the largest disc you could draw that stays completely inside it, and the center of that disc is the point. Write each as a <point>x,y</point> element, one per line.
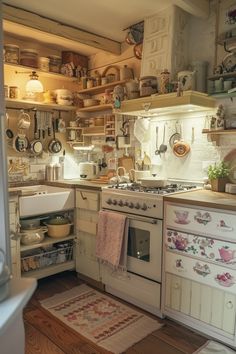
<point>202,221</point>
<point>206,248</point>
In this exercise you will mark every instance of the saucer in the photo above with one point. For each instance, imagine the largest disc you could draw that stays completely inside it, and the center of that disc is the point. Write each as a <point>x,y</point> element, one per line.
<point>183,222</point>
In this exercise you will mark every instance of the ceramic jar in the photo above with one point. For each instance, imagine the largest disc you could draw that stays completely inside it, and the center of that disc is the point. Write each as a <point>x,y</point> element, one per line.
<point>186,79</point>
<point>164,81</point>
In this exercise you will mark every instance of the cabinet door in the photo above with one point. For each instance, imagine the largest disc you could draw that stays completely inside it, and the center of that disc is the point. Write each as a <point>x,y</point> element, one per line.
<point>204,303</point>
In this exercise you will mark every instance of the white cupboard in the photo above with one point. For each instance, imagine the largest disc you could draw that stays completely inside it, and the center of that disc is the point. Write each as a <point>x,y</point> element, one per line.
<point>199,269</point>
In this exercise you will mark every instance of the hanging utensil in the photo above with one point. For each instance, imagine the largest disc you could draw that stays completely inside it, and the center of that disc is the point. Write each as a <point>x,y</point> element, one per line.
<point>54,145</point>
<point>9,132</point>
<point>174,137</point>
<point>163,146</point>
<point>181,148</point>
<point>157,152</point>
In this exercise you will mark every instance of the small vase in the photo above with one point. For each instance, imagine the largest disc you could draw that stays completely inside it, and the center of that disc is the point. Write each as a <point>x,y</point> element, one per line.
<point>218,184</point>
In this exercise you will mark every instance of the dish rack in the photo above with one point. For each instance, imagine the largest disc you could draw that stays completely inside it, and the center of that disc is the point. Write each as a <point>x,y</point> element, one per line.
<point>47,256</point>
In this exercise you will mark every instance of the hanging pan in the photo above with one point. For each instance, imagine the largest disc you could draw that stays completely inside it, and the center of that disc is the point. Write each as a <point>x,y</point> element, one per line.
<point>9,132</point>
<point>181,148</point>
<point>36,146</point>
<point>20,143</point>
<point>54,145</point>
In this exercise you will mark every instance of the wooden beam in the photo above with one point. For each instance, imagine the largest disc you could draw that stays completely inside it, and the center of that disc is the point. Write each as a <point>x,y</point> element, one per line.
<point>198,8</point>
<point>43,24</point>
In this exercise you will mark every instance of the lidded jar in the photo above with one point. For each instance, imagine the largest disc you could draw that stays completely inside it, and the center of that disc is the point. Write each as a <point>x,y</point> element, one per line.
<point>29,57</point>
<point>11,54</point>
<point>43,63</point>
<point>164,81</point>
<point>54,63</point>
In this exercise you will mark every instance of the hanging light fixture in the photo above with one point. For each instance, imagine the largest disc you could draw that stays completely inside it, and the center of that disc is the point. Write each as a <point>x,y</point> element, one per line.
<point>34,85</point>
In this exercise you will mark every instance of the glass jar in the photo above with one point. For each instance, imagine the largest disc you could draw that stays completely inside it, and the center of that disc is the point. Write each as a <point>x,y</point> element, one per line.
<point>54,63</point>
<point>43,63</point>
<point>29,57</point>
<point>11,53</point>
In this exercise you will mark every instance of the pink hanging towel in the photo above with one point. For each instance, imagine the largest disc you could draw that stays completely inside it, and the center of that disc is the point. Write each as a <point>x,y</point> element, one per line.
<point>112,239</point>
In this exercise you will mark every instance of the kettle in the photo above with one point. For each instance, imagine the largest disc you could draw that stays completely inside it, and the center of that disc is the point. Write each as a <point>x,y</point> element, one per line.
<point>88,170</point>
<point>4,276</point>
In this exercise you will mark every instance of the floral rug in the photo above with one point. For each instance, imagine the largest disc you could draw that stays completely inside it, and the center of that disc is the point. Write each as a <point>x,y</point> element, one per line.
<point>211,347</point>
<point>101,319</point>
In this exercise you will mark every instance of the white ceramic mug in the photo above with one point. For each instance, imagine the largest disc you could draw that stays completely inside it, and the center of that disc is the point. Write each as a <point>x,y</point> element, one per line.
<point>227,85</point>
<point>218,85</point>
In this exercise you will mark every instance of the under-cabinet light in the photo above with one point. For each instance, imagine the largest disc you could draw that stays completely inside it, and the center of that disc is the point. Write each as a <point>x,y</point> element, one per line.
<point>83,148</point>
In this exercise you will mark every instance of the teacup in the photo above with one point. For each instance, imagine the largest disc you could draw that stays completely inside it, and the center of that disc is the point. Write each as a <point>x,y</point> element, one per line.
<point>24,121</point>
<point>181,216</point>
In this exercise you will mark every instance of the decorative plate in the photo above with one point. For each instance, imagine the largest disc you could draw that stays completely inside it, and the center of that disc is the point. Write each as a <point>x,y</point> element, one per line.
<point>229,62</point>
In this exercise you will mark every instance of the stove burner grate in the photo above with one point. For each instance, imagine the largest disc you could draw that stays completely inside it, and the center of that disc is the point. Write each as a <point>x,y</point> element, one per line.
<point>170,188</point>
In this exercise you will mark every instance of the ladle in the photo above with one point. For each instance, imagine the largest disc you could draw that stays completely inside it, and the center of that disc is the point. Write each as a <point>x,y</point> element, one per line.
<point>9,132</point>
<point>163,146</point>
<point>157,151</point>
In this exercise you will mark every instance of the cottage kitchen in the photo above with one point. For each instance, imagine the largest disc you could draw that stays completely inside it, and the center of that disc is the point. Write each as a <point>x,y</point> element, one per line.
<point>119,171</point>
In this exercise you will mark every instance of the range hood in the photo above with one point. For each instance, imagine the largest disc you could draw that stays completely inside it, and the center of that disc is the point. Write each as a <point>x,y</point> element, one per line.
<point>189,101</point>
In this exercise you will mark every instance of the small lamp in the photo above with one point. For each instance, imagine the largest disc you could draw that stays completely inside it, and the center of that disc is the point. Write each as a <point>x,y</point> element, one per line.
<point>33,86</point>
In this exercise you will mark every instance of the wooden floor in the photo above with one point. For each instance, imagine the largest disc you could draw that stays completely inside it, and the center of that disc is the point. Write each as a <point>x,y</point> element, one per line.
<point>45,335</point>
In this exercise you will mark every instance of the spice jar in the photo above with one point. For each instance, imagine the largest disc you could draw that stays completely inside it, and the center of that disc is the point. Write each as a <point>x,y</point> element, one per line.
<point>11,53</point>
<point>13,92</point>
<point>54,63</point>
<point>29,57</point>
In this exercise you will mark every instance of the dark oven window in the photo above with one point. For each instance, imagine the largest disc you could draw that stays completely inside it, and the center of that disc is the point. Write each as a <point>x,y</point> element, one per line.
<point>139,244</point>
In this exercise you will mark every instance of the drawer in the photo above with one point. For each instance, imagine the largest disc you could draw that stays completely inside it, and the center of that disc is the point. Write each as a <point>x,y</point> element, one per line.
<point>201,221</point>
<point>202,247</point>
<point>200,271</point>
<point>87,200</point>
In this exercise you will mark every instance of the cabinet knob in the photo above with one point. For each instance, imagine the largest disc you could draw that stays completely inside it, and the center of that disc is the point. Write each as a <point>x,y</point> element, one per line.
<point>229,305</point>
<point>176,286</point>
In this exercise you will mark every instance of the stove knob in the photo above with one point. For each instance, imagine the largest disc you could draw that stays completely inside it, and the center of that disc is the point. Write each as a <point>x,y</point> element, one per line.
<point>131,205</point>
<point>114,202</point>
<point>120,203</point>
<point>126,203</point>
<point>144,207</point>
<point>137,206</point>
<point>109,201</point>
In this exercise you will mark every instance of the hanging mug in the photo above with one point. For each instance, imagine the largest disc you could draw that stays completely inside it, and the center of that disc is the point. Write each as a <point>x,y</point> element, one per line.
<point>24,120</point>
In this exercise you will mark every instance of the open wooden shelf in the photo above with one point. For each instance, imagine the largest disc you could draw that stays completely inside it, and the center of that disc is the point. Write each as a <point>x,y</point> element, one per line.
<point>24,104</point>
<point>100,107</point>
<point>214,135</point>
<point>99,89</point>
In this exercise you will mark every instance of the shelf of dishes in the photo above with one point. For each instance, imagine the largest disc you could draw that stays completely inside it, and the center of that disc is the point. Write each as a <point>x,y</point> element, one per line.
<point>24,104</point>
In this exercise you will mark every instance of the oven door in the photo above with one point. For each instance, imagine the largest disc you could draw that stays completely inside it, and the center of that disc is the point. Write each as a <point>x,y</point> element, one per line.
<point>144,247</point>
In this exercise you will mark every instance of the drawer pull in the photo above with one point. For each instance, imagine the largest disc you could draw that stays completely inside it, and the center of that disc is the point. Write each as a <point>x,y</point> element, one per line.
<point>82,196</point>
<point>229,305</point>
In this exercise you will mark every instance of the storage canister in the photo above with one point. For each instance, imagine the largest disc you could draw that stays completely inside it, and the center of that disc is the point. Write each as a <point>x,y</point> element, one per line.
<point>11,53</point>
<point>29,57</point>
<point>43,63</point>
<point>54,63</point>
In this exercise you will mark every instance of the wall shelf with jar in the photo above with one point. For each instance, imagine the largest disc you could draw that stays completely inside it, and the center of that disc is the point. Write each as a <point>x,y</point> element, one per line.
<point>23,104</point>
<point>214,135</point>
<point>52,75</point>
<point>101,88</point>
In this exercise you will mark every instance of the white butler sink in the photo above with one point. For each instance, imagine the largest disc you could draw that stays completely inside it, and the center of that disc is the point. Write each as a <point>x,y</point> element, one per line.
<point>40,199</point>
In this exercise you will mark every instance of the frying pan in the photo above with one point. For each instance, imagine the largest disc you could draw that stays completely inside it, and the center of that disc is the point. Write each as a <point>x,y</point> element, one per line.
<point>20,143</point>
<point>36,147</point>
<point>54,145</point>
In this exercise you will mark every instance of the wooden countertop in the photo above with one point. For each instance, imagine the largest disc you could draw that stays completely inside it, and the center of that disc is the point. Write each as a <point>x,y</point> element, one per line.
<point>72,183</point>
<point>205,198</point>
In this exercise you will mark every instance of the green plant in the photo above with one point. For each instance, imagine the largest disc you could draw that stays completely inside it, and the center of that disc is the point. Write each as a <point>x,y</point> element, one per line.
<point>220,170</point>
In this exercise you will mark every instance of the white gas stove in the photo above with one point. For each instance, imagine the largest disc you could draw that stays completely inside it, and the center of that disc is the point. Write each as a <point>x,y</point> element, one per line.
<point>136,199</point>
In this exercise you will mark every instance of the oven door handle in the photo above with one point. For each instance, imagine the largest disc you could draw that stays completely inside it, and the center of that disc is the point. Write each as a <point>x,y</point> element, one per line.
<point>139,218</point>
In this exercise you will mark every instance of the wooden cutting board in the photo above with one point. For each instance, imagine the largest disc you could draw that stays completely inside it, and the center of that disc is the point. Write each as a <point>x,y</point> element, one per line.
<point>127,162</point>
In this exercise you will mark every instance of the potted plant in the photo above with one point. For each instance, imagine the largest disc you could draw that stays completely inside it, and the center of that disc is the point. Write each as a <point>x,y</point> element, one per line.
<point>218,176</point>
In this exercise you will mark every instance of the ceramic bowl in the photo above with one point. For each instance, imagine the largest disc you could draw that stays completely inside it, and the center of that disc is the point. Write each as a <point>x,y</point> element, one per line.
<point>91,102</point>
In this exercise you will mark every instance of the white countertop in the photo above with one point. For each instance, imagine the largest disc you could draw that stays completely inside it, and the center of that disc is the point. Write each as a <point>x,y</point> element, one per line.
<point>21,290</point>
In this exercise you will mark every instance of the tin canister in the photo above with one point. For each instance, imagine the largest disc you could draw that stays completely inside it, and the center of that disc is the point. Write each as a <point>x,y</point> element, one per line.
<point>13,92</point>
